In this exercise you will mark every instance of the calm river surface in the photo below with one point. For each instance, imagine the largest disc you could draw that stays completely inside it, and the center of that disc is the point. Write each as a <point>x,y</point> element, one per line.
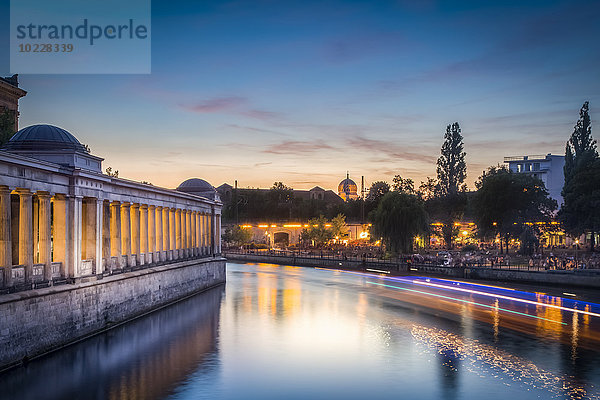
<point>275,332</point>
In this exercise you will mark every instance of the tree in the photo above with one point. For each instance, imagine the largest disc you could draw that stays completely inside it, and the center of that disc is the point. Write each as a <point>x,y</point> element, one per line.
<point>451,175</point>
<point>451,166</point>
<point>580,212</point>
<point>7,125</point>
<point>403,185</point>
<point>581,157</point>
<point>280,200</point>
<point>377,191</point>
<point>237,236</point>
<point>317,231</point>
<point>580,150</point>
<point>398,218</point>
<point>507,203</point>
<point>428,189</point>
<point>338,226</point>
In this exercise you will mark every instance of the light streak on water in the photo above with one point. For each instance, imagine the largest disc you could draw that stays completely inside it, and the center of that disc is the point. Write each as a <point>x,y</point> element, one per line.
<point>466,301</point>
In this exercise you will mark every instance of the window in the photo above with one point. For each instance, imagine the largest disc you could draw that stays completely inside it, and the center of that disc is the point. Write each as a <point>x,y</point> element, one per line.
<point>519,167</point>
<point>528,167</point>
<point>536,166</point>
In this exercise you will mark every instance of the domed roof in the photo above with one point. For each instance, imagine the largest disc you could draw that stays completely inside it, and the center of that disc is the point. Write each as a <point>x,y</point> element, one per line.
<point>347,186</point>
<point>44,137</point>
<point>195,185</point>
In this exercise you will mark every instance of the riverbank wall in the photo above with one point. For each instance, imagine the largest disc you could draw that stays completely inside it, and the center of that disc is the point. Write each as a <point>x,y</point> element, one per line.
<point>35,322</point>
<point>573,278</point>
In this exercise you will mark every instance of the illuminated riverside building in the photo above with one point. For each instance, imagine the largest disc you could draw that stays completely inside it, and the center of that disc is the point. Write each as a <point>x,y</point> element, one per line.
<point>62,218</point>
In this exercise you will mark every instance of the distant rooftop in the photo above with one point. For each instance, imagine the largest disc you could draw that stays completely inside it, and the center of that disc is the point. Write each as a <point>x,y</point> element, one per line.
<point>529,157</point>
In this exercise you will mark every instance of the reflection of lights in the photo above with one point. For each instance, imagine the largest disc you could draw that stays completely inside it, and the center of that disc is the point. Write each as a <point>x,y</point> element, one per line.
<point>363,235</point>
<point>465,233</point>
<point>467,301</point>
<point>569,294</point>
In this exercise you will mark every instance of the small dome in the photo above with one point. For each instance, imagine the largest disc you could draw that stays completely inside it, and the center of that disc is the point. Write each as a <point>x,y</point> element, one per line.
<point>43,137</point>
<point>195,185</point>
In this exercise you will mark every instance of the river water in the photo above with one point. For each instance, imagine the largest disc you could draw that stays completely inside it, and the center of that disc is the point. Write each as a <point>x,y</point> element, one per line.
<point>277,332</point>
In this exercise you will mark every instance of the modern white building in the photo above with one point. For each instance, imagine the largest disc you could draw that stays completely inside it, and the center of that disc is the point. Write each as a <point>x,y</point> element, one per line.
<point>548,168</point>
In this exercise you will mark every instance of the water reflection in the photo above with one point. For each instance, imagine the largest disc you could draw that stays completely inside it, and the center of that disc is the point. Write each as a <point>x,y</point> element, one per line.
<point>144,359</point>
<point>298,333</point>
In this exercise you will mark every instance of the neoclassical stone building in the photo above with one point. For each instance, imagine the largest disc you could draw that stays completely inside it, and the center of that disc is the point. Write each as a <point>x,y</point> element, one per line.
<point>62,219</point>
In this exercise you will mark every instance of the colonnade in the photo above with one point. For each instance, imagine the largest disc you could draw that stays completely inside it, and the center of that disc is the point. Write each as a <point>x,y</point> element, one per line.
<point>46,236</point>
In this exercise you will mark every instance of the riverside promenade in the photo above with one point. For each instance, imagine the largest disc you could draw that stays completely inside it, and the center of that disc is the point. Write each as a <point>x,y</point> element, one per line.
<point>587,278</point>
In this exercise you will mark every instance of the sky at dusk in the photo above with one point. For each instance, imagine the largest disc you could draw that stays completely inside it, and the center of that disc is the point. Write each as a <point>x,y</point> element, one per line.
<point>301,92</point>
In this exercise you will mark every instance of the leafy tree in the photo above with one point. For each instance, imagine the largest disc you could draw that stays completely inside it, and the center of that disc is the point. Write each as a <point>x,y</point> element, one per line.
<point>280,200</point>
<point>451,166</point>
<point>7,125</point>
<point>398,218</point>
<point>377,191</point>
<point>428,189</point>
<point>403,185</point>
<point>580,150</point>
<point>451,175</point>
<point>580,212</point>
<point>506,203</point>
<point>580,201</point>
<point>317,231</point>
<point>338,226</point>
<point>237,236</point>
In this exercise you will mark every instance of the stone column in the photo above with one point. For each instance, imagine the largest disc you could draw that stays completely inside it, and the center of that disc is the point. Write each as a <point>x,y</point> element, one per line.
<point>61,229</point>
<point>135,232</point>
<point>106,236</point>
<point>126,234</point>
<point>213,230</point>
<point>152,234</point>
<point>186,240</point>
<point>44,231</point>
<point>115,233</point>
<point>197,219</point>
<point>178,233</point>
<point>159,234</point>
<point>99,206</point>
<point>144,259</point>
<point>203,243</point>
<point>36,223</point>
<point>193,232</point>
<point>172,235</point>
<point>183,234</point>
<point>5,235</point>
<point>166,217</point>
<point>26,232</point>
<point>74,236</point>
<point>218,238</point>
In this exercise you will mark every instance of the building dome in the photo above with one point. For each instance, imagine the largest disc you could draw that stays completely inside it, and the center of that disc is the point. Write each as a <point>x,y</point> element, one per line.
<point>347,186</point>
<point>198,187</point>
<point>347,189</point>
<point>43,138</point>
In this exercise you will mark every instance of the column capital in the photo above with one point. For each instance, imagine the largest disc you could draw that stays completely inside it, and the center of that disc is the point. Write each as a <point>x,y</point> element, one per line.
<point>125,204</point>
<point>115,203</point>
<point>143,206</point>
<point>4,189</point>
<point>60,196</point>
<point>43,195</point>
<point>151,207</point>
<point>23,192</point>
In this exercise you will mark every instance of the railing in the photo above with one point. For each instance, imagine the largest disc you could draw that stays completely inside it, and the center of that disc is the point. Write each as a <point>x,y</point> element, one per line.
<point>38,280</point>
<point>407,262</point>
<point>525,158</point>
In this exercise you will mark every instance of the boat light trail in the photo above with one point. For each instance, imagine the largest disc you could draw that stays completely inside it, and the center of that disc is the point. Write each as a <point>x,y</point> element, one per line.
<point>495,295</point>
<point>499,296</point>
<point>468,302</point>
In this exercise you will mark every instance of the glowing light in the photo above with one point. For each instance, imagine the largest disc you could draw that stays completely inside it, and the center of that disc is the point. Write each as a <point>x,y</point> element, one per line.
<point>273,226</point>
<point>263,226</point>
<point>569,294</point>
<point>378,270</point>
<point>465,233</point>
<point>293,226</point>
<point>467,301</point>
<point>363,235</point>
<point>246,226</point>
